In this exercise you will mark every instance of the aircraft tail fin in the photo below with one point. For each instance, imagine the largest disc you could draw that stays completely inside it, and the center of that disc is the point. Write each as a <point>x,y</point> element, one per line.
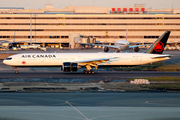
<point>158,46</point>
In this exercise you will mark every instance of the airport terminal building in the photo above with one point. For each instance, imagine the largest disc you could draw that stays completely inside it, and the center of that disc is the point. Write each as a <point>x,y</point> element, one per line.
<point>53,26</point>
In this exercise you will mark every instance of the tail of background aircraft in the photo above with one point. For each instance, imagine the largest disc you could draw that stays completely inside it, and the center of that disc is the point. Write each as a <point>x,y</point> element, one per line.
<point>159,45</point>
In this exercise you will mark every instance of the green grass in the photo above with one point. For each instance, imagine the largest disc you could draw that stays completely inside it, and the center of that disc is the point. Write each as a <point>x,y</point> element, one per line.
<point>169,68</point>
<point>165,86</point>
<point>161,86</point>
<point>163,78</point>
<point>146,67</point>
<point>157,66</point>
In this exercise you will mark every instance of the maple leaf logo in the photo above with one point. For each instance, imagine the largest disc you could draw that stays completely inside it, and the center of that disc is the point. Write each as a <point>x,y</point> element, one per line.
<point>23,62</point>
<point>158,47</point>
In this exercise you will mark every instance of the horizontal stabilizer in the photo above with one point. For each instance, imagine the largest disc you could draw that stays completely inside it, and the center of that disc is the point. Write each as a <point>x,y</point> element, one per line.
<point>165,56</point>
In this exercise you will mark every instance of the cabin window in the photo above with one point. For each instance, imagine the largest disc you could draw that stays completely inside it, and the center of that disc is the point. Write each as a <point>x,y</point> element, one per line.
<point>8,58</point>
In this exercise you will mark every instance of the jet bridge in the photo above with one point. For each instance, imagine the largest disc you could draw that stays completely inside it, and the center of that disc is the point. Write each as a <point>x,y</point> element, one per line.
<point>77,41</point>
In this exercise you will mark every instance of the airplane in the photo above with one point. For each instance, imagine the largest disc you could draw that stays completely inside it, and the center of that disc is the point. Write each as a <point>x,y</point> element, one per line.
<point>121,45</point>
<point>31,46</point>
<point>6,44</point>
<point>70,62</point>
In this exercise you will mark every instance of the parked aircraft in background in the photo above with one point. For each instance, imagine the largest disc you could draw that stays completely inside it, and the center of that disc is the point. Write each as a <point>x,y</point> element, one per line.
<point>31,46</point>
<point>121,45</point>
<point>70,62</point>
<point>6,45</point>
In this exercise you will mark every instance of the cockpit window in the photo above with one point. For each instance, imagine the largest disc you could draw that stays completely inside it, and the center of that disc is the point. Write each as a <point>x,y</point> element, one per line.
<point>8,58</point>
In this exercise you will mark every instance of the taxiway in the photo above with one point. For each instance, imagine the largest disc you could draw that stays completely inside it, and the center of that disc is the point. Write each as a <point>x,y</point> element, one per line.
<point>97,75</point>
<point>89,106</point>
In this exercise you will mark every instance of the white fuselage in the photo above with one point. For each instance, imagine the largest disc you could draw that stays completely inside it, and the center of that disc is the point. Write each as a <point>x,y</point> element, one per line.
<point>57,59</point>
<point>122,44</point>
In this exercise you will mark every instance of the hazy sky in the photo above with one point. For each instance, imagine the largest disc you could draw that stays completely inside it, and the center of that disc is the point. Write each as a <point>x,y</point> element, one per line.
<point>31,4</point>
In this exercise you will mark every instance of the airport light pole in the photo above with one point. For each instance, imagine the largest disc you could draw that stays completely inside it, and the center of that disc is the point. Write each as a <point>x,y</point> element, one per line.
<point>14,35</point>
<point>31,28</point>
<point>35,27</point>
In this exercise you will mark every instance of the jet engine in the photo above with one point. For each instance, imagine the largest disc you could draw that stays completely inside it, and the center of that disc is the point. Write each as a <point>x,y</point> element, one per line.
<point>106,49</point>
<point>136,49</point>
<point>69,67</point>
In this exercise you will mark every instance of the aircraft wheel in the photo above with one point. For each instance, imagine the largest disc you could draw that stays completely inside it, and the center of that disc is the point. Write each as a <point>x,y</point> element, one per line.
<point>92,72</point>
<point>85,72</point>
<point>89,72</point>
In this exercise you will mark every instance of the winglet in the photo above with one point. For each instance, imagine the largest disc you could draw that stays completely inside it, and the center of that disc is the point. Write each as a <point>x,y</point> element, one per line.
<point>158,46</point>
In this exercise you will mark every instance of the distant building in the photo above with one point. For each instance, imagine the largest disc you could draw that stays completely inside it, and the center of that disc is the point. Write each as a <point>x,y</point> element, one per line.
<point>106,24</point>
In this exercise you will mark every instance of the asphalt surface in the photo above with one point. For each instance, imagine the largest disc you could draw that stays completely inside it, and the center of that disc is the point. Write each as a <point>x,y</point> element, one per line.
<point>122,99</point>
<point>89,106</point>
<point>100,74</point>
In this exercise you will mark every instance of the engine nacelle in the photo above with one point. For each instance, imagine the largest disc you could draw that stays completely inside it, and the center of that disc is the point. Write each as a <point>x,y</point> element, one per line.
<point>136,49</point>
<point>69,67</point>
<point>106,49</point>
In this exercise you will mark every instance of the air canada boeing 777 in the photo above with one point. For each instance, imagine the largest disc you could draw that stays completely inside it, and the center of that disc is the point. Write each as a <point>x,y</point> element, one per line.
<point>70,62</point>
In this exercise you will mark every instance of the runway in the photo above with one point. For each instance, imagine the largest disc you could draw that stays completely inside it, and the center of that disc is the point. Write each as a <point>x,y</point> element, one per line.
<point>99,74</point>
<point>89,106</point>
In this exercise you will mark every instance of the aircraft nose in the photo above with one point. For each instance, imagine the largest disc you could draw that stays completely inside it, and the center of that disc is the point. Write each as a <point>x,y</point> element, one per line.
<point>4,61</point>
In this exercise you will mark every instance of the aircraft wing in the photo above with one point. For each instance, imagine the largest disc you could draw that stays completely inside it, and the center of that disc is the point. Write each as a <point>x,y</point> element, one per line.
<point>109,46</point>
<point>4,41</point>
<point>85,43</point>
<point>133,46</point>
<point>23,41</point>
<point>95,61</point>
<point>19,41</point>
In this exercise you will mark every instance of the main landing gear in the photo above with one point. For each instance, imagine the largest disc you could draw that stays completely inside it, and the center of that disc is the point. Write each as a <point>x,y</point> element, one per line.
<point>88,72</point>
<point>16,71</point>
<point>88,69</point>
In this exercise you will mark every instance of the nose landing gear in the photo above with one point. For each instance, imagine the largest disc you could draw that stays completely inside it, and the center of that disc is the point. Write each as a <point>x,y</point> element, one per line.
<point>16,71</point>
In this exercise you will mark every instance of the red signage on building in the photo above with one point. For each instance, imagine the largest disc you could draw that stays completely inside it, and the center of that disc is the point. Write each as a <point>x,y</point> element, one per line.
<point>130,9</point>
<point>113,9</point>
<point>125,9</point>
<point>142,9</point>
<point>118,9</point>
<point>137,9</point>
